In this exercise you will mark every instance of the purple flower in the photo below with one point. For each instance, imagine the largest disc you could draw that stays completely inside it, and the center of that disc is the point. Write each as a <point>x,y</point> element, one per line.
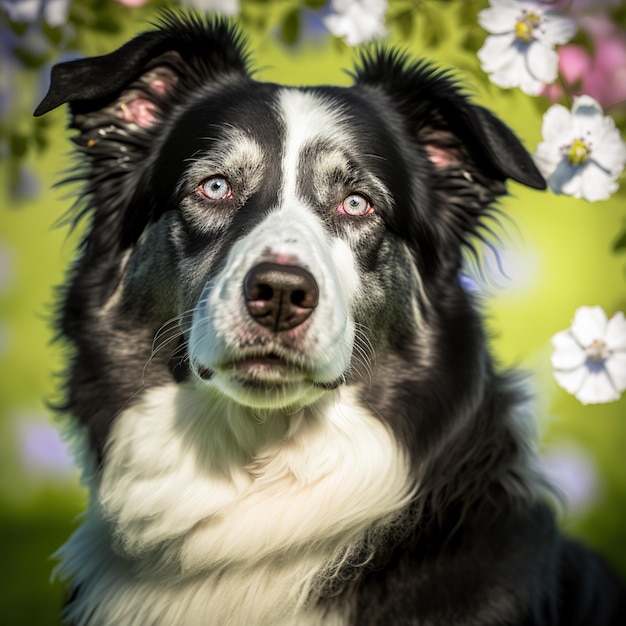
<point>570,468</point>
<point>7,266</point>
<point>601,75</point>
<point>42,449</point>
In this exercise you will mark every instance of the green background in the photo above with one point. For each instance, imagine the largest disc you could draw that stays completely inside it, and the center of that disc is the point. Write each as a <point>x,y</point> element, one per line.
<point>558,254</point>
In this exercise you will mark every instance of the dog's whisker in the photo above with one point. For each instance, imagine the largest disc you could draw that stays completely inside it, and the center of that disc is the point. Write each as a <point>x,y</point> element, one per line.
<point>176,321</point>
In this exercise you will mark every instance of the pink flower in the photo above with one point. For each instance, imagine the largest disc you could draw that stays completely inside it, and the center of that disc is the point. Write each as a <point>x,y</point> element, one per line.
<point>578,6</point>
<point>607,80</point>
<point>132,3</point>
<point>601,75</point>
<point>574,64</point>
<point>570,468</point>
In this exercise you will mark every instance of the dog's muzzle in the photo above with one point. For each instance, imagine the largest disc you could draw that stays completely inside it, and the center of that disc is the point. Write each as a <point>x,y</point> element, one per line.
<point>280,297</point>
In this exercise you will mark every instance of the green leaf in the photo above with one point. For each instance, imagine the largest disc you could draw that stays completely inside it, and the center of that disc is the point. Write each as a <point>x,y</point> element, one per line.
<point>290,28</point>
<point>405,21</point>
<point>316,5</point>
<point>54,35</point>
<point>619,244</point>
<point>18,145</point>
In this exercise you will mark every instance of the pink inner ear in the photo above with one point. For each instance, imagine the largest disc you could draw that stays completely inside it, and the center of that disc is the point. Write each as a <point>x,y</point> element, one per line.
<point>140,111</point>
<point>161,86</point>
<point>441,157</point>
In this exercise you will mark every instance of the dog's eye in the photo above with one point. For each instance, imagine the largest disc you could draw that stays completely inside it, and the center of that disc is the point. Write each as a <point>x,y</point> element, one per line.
<point>216,188</point>
<point>356,205</point>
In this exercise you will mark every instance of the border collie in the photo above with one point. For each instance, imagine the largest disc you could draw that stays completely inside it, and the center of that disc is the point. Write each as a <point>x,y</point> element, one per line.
<point>284,407</point>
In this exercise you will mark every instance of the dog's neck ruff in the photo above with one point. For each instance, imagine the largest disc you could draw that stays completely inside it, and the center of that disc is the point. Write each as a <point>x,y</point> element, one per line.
<point>204,514</point>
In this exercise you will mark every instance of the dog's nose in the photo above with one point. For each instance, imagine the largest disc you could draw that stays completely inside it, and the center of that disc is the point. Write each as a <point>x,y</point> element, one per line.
<point>280,297</point>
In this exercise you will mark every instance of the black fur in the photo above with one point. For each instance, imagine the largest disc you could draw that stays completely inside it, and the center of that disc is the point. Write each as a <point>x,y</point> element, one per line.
<point>477,546</point>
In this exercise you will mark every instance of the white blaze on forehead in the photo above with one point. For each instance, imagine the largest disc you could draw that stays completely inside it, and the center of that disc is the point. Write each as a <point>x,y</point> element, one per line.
<point>307,117</point>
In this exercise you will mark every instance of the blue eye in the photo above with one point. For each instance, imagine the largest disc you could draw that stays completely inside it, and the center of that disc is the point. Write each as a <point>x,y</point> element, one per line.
<point>216,188</point>
<point>356,205</point>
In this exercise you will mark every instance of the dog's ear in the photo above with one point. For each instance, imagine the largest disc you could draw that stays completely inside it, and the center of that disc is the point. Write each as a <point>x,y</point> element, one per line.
<point>467,153</point>
<point>121,103</point>
<point>452,130</point>
<point>132,84</point>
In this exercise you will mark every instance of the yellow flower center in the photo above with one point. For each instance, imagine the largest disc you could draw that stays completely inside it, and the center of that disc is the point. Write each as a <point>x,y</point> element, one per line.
<point>525,26</point>
<point>578,152</point>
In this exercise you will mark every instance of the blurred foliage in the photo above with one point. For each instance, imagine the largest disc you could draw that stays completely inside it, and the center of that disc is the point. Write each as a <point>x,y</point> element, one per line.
<point>97,26</point>
<point>563,253</point>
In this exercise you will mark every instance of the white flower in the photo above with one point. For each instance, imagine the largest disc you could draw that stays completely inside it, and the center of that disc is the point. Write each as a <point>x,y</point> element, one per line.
<point>520,51</point>
<point>589,358</point>
<point>26,11</point>
<point>582,153</point>
<point>357,21</point>
<point>225,7</point>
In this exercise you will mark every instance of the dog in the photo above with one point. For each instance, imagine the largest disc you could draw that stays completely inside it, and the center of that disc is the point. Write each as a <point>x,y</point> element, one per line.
<point>281,394</point>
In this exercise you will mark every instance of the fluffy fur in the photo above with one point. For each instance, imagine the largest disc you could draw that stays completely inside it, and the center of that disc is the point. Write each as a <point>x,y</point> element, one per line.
<point>281,394</point>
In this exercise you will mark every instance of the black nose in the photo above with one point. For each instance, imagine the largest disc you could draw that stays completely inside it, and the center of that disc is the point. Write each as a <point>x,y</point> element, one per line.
<point>280,297</point>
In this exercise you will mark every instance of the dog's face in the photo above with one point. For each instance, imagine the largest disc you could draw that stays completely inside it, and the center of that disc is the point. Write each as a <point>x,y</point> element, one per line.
<point>276,221</point>
<point>287,233</point>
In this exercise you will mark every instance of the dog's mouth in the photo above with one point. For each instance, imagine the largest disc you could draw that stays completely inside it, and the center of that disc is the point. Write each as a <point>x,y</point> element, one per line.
<point>267,362</point>
<point>267,369</point>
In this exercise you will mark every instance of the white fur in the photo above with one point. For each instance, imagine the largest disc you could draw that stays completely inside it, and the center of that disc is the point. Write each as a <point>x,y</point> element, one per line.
<point>307,118</point>
<point>207,514</point>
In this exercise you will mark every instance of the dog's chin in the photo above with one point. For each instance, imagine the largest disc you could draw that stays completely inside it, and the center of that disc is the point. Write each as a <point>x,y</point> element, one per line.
<point>265,382</point>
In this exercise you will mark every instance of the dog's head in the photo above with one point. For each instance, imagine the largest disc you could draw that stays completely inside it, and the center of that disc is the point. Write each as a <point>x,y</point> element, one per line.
<point>291,233</point>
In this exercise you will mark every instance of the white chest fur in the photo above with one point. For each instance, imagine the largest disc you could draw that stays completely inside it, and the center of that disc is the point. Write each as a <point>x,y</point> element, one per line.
<point>206,514</point>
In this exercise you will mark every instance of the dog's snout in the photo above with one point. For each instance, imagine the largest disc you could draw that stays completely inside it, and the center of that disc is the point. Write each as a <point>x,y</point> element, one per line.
<point>280,297</point>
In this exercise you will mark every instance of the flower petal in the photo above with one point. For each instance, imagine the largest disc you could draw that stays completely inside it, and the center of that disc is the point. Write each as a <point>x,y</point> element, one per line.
<point>616,367</point>
<point>56,11</point>
<point>498,20</point>
<point>568,354</point>
<point>597,388</point>
<point>609,150</point>
<point>565,179</point>
<point>530,85</point>
<point>586,105</point>
<point>557,124</point>
<point>358,21</point>
<point>22,11</point>
<point>547,158</point>
<point>615,335</point>
<point>568,358</point>
<point>542,62</point>
<point>557,29</point>
<point>571,380</point>
<point>589,323</point>
<point>563,339</point>
<point>596,183</point>
<point>513,72</point>
<point>497,52</point>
